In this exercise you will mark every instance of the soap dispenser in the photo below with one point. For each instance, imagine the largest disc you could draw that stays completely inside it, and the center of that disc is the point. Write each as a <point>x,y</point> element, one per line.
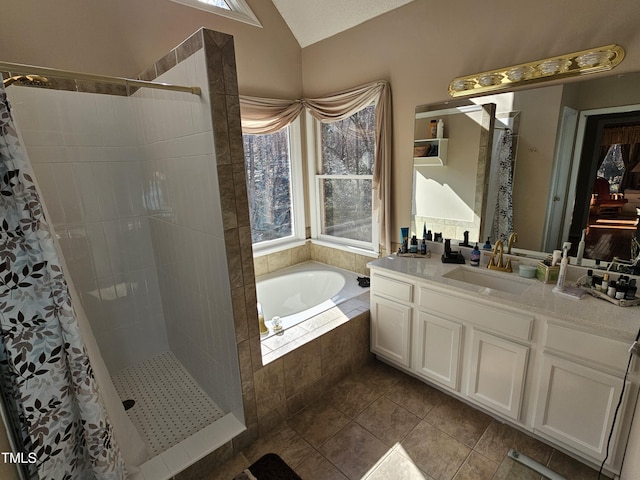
<point>474,258</point>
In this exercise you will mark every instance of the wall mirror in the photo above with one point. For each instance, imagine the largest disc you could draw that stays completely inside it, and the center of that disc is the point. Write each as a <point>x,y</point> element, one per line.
<point>449,173</point>
<point>557,151</point>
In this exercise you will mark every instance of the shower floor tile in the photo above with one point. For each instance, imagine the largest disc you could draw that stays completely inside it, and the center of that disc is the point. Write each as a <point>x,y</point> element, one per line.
<point>170,406</point>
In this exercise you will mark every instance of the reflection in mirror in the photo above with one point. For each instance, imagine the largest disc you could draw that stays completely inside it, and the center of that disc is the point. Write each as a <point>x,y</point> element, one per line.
<point>449,195</point>
<point>547,186</point>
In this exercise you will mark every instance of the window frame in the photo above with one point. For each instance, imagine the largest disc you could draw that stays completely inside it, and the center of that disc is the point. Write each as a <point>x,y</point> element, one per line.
<point>314,154</point>
<point>296,180</point>
<point>240,10</point>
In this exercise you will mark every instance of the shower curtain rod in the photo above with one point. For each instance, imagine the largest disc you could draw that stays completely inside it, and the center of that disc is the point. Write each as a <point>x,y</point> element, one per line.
<point>14,68</point>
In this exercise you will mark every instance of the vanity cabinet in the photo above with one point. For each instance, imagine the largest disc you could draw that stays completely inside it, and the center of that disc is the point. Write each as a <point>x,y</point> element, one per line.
<point>576,405</point>
<point>497,373</point>
<point>557,379</point>
<point>391,319</point>
<point>580,385</point>
<point>436,349</point>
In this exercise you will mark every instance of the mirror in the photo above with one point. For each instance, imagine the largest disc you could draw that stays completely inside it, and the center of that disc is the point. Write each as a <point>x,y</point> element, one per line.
<point>547,154</point>
<point>449,173</point>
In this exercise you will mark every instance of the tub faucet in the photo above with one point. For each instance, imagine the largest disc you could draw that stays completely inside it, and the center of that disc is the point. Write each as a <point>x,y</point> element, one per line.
<point>495,263</point>
<point>513,238</point>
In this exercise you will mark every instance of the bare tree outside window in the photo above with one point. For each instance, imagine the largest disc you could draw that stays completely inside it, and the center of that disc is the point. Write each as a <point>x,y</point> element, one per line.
<point>268,172</point>
<point>348,154</point>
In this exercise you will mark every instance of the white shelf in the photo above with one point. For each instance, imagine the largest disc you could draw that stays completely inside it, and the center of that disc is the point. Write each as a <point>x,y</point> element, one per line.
<point>435,156</point>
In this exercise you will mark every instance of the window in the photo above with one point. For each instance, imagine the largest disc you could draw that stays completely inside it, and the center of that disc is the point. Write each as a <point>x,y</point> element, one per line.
<point>234,9</point>
<point>344,179</point>
<point>612,168</point>
<point>274,187</point>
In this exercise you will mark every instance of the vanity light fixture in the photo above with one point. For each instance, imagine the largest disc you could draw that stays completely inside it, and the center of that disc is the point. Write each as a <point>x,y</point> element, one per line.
<point>584,62</point>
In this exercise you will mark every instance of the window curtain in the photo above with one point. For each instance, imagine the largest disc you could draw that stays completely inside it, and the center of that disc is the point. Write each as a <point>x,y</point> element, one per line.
<point>47,379</point>
<point>260,116</point>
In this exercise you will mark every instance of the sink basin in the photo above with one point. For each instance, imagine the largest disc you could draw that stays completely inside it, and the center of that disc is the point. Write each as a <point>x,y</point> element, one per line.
<point>485,278</point>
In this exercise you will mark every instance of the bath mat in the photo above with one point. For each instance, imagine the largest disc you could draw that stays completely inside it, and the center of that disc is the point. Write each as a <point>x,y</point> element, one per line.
<point>268,467</point>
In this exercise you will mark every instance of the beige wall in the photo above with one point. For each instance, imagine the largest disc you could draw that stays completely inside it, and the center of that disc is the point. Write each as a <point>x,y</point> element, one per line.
<point>420,47</point>
<point>124,37</point>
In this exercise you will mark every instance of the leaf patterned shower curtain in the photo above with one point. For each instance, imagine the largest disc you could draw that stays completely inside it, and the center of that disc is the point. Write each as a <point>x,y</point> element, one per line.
<point>502,225</point>
<point>45,371</point>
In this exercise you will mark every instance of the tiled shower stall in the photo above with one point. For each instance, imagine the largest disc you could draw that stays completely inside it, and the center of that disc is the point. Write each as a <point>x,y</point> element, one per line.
<point>131,187</point>
<point>147,193</point>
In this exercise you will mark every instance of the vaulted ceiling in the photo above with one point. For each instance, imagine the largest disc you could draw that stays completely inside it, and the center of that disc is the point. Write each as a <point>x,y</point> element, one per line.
<point>311,21</point>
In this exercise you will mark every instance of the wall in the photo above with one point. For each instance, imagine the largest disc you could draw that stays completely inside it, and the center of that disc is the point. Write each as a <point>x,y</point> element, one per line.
<point>422,46</point>
<point>123,38</point>
<point>183,200</point>
<point>84,152</point>
<point>272,262</point>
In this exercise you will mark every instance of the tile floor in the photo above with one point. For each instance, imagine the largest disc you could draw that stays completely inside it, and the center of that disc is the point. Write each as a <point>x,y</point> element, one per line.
<point>381,424</point>
<point>161,387</point>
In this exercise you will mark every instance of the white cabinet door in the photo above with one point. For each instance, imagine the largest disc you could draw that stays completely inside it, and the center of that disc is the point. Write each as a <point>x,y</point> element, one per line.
<point>576,405</point>
<point>497,373</point>
<point>390,330</point>
<point>436,349</point>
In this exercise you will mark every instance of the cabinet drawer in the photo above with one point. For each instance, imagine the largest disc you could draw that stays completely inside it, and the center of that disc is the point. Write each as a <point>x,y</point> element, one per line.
<point>390,287</point>
<point>507,322</point>
<point>606,351</point>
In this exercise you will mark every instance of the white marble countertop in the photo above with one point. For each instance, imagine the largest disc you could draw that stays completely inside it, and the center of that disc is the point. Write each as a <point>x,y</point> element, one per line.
<point>598,315</point>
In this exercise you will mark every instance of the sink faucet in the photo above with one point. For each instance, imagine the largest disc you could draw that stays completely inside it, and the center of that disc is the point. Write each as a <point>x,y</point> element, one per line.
<point>495,263</point>
<point>513,238</point>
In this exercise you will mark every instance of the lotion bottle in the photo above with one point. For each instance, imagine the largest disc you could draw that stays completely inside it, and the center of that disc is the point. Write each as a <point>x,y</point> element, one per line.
<point>440,129</point>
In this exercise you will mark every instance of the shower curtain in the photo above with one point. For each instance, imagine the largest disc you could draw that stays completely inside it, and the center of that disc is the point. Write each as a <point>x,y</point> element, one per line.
<point>502,225</point>
<point>45,370</point>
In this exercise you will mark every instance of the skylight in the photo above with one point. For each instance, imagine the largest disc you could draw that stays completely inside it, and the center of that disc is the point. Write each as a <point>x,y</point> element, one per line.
<point>234,9</point>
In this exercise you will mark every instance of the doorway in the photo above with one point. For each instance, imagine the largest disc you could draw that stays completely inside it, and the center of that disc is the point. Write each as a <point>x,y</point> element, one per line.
<point>608,186</point>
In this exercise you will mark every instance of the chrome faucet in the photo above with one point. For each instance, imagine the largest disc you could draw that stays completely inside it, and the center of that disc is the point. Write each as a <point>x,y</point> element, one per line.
<point>495,263</point>
<point>513,238</point>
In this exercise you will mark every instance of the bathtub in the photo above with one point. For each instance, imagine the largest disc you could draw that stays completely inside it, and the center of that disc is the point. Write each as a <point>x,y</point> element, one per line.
<point>305,290</point>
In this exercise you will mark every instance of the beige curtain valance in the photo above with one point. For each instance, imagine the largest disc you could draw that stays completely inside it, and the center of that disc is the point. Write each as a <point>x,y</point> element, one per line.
<point>265,115</point>
<point>626,135</point>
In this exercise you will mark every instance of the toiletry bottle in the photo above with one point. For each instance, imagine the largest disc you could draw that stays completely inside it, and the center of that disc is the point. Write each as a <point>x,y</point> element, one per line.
<point>474,258</point>
<point>487,245</point>
<point>440,129</point>
<point>621,289</point>
<point>605,283</point>
<point>580,253</point>
<point>631,290</point>
<point>263,327</point>
<point>423,247</point>
<point>611,289</point>
<point>424,231</point>
<point>429,236</point>
<point>562,275</point>
<point>589,281</point>
<point>414,245</point>
<point>433,128</point>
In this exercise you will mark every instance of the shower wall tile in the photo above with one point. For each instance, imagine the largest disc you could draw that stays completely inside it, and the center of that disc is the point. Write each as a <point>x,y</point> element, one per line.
<point>48,154</point>
<point>88,164</point>
<point>84,177</point>
<point>46,182</point>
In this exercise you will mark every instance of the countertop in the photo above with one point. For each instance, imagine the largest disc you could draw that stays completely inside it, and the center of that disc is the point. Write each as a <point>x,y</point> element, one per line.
<point>597,315</point>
